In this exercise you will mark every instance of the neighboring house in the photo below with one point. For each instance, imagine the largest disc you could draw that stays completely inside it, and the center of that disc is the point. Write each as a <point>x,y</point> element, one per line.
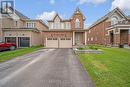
<point>113,29</point>
<point>19,29</point>
<point>66,33</point>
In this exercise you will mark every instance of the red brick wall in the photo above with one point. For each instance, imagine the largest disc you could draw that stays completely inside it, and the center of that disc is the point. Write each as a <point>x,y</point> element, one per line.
<point>129,39</point>
<point>98,33</point>
<point>80,17</point>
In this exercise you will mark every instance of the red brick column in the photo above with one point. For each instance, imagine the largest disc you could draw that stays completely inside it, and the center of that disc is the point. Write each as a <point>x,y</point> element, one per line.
<point>116,39</point>
<point>129,40</point>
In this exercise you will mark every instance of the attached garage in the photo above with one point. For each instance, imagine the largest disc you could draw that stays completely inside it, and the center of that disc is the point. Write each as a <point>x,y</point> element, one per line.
<point>52,43</point>
<point>59,42</point>
<point>10,39</point>
<point>24,41</point>
<point>65,43</point>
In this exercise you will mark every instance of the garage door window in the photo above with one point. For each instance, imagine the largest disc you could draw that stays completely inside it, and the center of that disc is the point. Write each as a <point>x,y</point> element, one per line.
<point>49,38</point>
<point>54,38</point>
<point>68,38</point>
<point>62,39</point>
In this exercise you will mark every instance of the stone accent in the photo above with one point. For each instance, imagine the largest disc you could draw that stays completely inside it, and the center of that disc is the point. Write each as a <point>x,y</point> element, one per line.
<point>88,51</point>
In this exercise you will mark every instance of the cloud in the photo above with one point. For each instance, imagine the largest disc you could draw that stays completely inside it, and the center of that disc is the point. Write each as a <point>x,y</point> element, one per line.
<point>96,2</point>
<point>123,4</point>
<point>52,2</point>
<point>46,15</point>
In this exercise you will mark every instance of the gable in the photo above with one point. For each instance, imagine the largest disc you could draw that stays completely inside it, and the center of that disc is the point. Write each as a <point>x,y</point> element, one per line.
<point>118,13</point>
<point>57,19</point>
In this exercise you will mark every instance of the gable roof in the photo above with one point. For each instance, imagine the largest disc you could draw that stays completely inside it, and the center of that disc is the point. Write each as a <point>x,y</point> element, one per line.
<point>108,15</point>
<point>128,17</point>
<point>19,14</point>
<point>62,20</point>
<point>77,11</point>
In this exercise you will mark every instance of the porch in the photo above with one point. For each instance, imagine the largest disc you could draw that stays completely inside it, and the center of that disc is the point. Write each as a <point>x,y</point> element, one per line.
<point>79,38</point>
<point>119,35</point>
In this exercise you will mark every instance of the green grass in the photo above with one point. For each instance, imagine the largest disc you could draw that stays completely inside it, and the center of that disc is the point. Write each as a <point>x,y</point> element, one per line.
<point>110,69</point>
<point>5,56</point>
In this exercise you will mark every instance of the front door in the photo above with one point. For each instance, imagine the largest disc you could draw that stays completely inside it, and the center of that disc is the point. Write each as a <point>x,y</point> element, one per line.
<point>79,38</point>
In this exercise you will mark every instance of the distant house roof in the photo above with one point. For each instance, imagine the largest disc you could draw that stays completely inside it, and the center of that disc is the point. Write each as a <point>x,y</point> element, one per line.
<point>128,17</point>
<point>108,15</point>
<point>19,14</point>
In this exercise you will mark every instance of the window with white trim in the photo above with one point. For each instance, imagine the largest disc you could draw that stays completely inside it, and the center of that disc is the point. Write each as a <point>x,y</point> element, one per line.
<point>114,20</point>
<point>67,25</point>
<point>77,23</point>
<point>30,24</point>
<point>56,25</point>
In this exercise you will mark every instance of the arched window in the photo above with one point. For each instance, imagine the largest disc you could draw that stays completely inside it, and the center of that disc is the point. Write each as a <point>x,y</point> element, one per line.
<point>114,20</point>
<point>77,23</point>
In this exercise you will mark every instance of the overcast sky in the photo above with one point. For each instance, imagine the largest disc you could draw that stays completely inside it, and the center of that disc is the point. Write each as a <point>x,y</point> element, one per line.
<point>92,9</point>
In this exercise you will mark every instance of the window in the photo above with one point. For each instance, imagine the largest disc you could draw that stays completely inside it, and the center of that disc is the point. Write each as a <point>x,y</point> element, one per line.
<point>114,20</point>
<point>91,38</point>
<point>67,25</point>
<point>77,23</point>
<point>56,25</point>
<point>16,23</point>
<point>31,25</point>
<point>55,39</point>
<point>68,38</point>
<point>62,39</point>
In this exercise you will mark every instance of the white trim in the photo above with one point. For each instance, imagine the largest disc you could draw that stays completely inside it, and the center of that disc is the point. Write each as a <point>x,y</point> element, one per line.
<point>73,38</point>
<point>46,42</point>
<point>85,38</point>
<point>129,31</point>
<point>124,28</point>
<point>122,25</point>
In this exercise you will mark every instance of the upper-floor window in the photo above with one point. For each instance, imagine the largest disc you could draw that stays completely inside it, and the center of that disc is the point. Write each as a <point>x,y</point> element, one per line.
<point>67,25</point>
<point>57,25</point>
<point>114,20</point>
<point>77,23</point>
<point>30,24</point>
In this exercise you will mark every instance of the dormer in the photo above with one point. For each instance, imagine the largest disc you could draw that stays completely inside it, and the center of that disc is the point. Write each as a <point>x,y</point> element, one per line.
<point>77,20</point>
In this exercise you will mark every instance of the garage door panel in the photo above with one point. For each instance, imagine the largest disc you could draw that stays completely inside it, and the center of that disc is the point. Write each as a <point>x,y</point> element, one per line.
<point>52,43</point>
<point>59,43</point>
<point>65,43</point>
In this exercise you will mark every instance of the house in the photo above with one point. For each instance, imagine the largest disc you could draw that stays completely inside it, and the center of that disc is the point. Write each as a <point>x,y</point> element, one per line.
<point>19,29</point>
<point>64,33</point>
<point>113,29</point>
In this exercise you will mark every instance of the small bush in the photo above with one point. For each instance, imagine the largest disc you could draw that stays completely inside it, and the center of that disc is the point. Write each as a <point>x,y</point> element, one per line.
<point>94,47</point>
<point>81,48</point>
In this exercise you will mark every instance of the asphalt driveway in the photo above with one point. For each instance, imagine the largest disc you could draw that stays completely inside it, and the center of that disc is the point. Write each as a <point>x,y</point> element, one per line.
<point>45,68</point>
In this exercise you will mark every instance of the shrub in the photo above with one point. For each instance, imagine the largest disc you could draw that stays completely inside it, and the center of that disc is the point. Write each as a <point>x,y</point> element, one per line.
<point>94,47</point>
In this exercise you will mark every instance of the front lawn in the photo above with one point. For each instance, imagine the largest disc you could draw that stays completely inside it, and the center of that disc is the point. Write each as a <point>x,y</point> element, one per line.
<point>4,56</point>
<point>110,69</point>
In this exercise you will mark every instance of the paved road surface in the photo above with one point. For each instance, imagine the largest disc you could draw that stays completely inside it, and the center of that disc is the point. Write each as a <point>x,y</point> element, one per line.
<point>44,68</point>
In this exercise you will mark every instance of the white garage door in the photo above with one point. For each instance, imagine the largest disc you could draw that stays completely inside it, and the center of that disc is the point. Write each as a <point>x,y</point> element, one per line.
<point>65,43</point>
<point>52,43</point>
<point>59,43</point>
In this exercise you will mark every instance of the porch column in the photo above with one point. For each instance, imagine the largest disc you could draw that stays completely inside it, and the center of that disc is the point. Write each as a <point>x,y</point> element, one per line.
<point>85,38</point>
<point>73,38</point>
